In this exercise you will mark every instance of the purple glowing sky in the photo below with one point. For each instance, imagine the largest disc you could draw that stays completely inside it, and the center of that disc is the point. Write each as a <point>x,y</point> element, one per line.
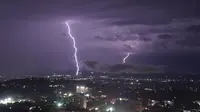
<point>157,32</point>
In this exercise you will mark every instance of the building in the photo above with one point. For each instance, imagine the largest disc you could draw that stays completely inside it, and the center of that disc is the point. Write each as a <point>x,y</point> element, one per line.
<point>78,101</point>
<point>81,89</point>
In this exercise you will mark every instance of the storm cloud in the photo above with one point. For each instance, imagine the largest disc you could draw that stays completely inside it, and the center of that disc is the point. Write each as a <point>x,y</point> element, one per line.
<point>32,38</point>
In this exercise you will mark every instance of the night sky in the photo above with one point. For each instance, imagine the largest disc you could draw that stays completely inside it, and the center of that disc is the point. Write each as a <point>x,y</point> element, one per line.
<point>33,36</point>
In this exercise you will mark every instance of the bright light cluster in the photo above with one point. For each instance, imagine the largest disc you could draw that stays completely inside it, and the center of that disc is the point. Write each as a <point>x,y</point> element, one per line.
<point>11,100</point>
<point>110,109</point>
<point>87,95</point>
<point>7,101</point>
<point>122,99</point>
<point>59,104</point>
<point>81,89</point>
<point>68,94</point>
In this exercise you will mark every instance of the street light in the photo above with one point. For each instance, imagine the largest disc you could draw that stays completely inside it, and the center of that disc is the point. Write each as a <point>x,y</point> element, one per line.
<point>59,104</point>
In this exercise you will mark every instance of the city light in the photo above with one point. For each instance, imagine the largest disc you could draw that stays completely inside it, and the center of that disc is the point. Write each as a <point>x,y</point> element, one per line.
<point>81,89</point>
<point>6,101</point>
<point>68,94</point>
<point>96,108</point>
<point>87,95</point>
<point>32,107</point>
<point>11,100</point>
<point>59,104</point>
<point>110,109</point>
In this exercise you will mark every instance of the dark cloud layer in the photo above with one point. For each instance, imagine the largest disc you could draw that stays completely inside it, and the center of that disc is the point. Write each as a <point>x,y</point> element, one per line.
<point>193,28</point>
<point>139,21</point>
<point>118,68</point>
<point>173,62</point>
<point>190,41</point>
<point>165,36</point>
<point>128,37</point>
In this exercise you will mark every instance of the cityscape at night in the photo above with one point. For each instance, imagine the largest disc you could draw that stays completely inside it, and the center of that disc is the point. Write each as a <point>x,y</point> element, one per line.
<point>101,93</point>
<point>99,56</point>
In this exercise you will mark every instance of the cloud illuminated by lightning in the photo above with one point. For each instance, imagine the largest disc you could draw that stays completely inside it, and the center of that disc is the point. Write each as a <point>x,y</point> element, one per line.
<point>124,59</point>
<point>75,48</point>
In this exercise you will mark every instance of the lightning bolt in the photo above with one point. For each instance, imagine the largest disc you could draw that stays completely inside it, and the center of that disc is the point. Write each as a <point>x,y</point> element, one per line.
<point>124,59</point>
<point>75,48</point>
